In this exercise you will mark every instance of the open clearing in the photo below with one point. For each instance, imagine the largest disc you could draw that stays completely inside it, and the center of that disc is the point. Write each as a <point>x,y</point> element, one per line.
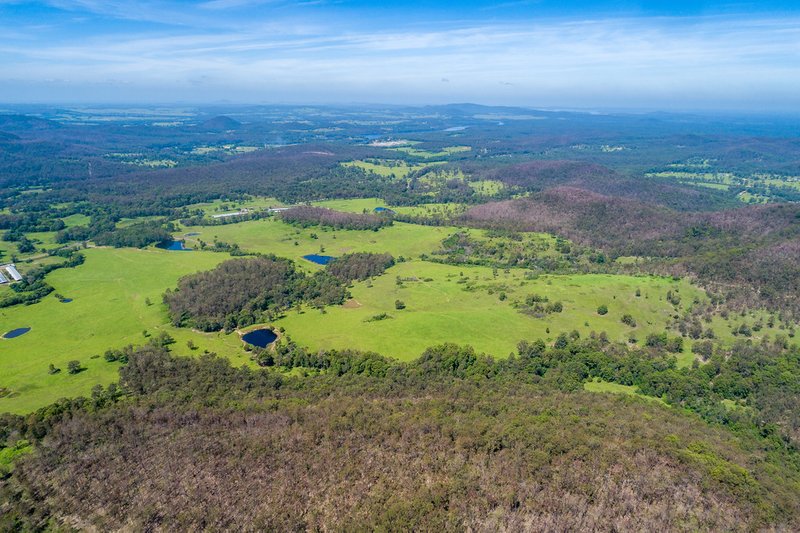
<point>443,306</point>
<point>273,236</point>
<point>108,310</point>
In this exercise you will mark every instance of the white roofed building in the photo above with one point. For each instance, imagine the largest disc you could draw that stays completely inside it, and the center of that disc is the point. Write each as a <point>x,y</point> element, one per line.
<point>12,271</point>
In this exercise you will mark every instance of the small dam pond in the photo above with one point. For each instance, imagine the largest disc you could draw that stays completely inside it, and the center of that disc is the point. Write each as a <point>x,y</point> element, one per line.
<point>16,333</point>
<point>175,246</point>
<point>319,259</point>
<point>259,337</point>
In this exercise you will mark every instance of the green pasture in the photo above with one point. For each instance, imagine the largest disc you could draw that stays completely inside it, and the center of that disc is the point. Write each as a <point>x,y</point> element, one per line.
<point>444,306</point>
<point>108,310</point>
<point>393,168</point>
<point>600,386</point>
<point>443,303</point>
<point>368,205</point>
<point>487,187</point>
<point>225,206</point>
<point>273,236</point>
<point>77,219</point>
<point>429,154</point>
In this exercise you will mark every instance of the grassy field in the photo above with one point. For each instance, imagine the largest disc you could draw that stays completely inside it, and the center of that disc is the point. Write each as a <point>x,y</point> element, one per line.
<point>598,385</point>
<point>76,220</point>
<point>428,154</point>
<point>273,236</point>
<point>443,306</point>
<point>394,168</point>
<point>487,187</point>
<point>361,205</point>
<point>771,184</point>
<point>108,310</point>
<point>227,206</point>
<point>444,303</point>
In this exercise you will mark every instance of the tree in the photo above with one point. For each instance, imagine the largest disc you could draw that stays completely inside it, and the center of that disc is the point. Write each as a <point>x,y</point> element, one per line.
<point>399,304</point>
<point>53,370</point>
<point>562,341</point>
<point>602,310</point>
<point>74,366</point>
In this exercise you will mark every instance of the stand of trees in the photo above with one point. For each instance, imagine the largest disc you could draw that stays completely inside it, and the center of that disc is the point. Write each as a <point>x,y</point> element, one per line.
<point>241,292</point>
<point>136,235</point>
<point>359,266</point>
<point>306,216</point>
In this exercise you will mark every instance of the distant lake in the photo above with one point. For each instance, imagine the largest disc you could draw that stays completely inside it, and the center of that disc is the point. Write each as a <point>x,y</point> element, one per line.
<point>65,300</point>
<point>319,259</point>
<point>16,333</point>
<point>383,210</point>
<point>176,246</point>
<point>260,337</point>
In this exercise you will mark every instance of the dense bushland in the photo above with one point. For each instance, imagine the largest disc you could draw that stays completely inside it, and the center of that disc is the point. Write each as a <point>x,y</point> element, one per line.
<point>241,292</point>
<point>359,266</point>
<point>135,235</point>
<point>306,216</point>
<point>452,441</point>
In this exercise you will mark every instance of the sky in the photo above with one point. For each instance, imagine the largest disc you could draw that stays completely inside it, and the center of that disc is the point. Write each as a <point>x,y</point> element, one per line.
<point>590,54</point>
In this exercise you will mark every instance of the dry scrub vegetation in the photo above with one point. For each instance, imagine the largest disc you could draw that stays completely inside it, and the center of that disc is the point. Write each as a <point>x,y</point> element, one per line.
<point>201,445</point>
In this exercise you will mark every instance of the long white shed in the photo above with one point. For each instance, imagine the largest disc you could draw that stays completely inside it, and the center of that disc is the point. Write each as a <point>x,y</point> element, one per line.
<point>12,271</point>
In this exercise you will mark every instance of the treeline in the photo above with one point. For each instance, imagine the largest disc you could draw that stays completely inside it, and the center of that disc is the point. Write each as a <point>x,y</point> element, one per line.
<point>762,381</point>
<point>307,216</point>
<point>346,447</point>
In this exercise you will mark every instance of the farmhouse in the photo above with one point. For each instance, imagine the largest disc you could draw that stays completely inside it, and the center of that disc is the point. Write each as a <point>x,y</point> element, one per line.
<point>12,271</point>
<point>243,211</point>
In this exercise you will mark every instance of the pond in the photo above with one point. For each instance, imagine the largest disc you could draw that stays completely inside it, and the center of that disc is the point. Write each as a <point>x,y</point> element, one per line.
<point>383,210</point>
<point>16,333</point>
<point>193,234</point>
<point>65,300</point>
<point>319,259</point>
<point>259,337</point>
<point>175,246</point>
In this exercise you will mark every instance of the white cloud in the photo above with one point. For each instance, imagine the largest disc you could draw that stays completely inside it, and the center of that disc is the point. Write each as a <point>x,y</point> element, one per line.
<point>679,62</point>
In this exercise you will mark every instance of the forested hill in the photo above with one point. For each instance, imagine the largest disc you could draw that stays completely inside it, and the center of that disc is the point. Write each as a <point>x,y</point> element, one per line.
<point>453,441</point>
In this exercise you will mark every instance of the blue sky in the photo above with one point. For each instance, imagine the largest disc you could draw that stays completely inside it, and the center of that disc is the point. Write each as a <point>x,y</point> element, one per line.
<point>679,55</point>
